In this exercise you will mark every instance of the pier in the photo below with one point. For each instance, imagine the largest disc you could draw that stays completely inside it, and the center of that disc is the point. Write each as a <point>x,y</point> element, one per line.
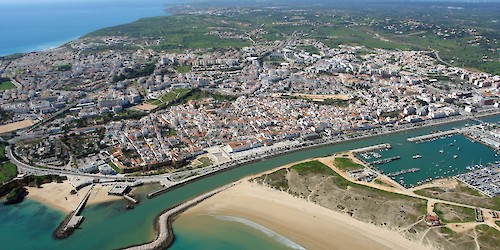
<point>386,160</point>
<point>372,148</point>
<point>165,234</point>
<point>428,137</point>
<point>411,170</point>
<point>73,220</point>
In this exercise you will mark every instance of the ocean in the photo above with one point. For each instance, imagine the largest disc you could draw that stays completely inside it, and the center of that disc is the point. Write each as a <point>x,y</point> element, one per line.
<point>111,226</point>
<point>27,26</point>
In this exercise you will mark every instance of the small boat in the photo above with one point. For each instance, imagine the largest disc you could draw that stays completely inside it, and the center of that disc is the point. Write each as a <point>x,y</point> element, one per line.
<point>417,156</point>
<point>441,151</point>
<point>455,156</point>
<point>458,148</point>
<point>451,144</point>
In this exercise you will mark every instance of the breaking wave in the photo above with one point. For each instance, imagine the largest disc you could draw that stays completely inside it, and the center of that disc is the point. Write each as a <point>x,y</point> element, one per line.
<point>270,233</point>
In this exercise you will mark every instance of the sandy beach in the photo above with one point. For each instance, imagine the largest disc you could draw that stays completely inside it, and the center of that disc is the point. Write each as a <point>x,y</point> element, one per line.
<point>57,195</point>
<point>305,223</point>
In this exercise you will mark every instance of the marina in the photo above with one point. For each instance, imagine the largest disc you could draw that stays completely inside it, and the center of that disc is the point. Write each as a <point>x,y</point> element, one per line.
<point>429,157</point>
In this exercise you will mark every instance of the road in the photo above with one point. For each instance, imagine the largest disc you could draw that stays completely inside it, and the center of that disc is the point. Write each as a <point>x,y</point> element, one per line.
<point>32,170</point>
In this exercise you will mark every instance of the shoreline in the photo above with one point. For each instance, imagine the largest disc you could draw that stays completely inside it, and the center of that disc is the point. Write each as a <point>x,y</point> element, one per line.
<point>57,196</point>
<point>305,223</point>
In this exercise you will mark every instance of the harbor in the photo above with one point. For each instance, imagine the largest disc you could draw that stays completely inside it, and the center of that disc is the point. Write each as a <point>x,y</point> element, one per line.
<point>421,159</point>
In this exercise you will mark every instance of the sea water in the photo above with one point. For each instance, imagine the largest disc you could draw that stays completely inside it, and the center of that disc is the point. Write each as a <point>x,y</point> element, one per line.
<point>226,232</point>
<point>27,26</point>
<point>111,226</point>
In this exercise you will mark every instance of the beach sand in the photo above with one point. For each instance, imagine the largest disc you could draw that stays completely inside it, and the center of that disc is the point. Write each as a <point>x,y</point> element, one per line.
<point>305,223</point>
<point>57,195</point>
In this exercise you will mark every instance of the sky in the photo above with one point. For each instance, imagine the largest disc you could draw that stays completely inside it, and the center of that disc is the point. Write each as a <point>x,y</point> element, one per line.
<point>107,2</point>
<point>42,2</point>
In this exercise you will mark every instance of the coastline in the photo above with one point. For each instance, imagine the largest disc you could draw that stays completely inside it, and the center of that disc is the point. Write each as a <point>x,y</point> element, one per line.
<point>303,222</point>
<point>72,21</point>
<point>57,195</point>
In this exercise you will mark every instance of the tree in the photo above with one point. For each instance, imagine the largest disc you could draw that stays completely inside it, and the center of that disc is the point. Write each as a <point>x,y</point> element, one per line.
<point>5,116</point>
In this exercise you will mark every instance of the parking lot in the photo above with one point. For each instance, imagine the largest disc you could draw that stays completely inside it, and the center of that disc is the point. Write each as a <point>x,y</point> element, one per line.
<point>486,180</point>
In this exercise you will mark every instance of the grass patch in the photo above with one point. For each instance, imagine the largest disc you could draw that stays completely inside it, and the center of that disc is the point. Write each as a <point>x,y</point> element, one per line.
<point>461,194</point>
<point>488,237</point>
<point>316,167</point>
<point>277,180</point>
<point>454,214</point>
<point>379,182</point>
<point>178,32</point>
<point>205,161</point>
<point>183,68</point>
<point>171,132</point>
<point>446,230</point>
<point>131,73</point>
<point>346,164</point>
<point>312,167</point>
<point>7,172</point>
<point>114,167</point>
<point>174,94</point>
<point>6,85</point>
<point>309,49</point>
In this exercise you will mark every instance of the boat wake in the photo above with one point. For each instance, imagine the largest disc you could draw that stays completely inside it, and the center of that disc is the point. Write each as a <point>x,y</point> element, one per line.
<point>270,233</point>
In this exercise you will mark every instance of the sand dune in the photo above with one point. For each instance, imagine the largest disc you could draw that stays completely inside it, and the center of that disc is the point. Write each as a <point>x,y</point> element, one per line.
<point>309,225</point>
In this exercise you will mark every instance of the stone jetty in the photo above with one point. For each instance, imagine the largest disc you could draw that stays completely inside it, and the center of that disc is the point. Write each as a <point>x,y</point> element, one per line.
<point>165,234</point>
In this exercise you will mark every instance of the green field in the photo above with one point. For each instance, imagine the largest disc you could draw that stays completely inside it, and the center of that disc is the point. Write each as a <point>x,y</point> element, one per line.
<point>454,214</point>
<point>346,164</point>
<point>177,32</point>
<point>312,167</point>
<point>183,68</point>
<point>114,167</point>
<point>461,194</point>
<point>352,27</point>
<point>309,49</point>
<point>169,96</point>
<point>7,172</point>
<point>7,85</point>
<point>181,96</point>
